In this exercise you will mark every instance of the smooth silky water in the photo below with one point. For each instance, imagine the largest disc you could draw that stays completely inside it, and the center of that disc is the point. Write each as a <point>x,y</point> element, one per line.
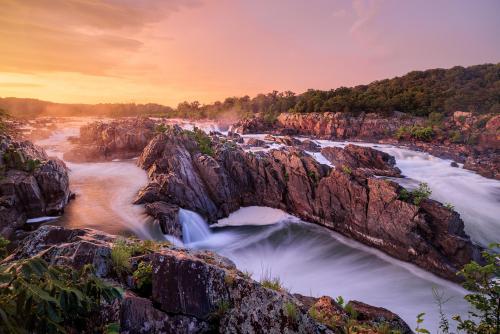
<point>309,259</point>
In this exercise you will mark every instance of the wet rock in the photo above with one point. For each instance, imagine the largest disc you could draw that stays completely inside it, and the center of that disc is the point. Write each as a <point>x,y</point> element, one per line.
<point>377,316</point>
<point>122,139</point>
<point>32,185</point>
<point>167,216</point>
<point>254,142</point>
<point>366,158</point>
<point>454,164</point>
<point>366,209</point>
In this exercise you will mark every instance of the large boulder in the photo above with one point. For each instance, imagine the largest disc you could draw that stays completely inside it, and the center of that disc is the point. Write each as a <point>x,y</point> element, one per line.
<point>366,158</point>
<point>31,184</point>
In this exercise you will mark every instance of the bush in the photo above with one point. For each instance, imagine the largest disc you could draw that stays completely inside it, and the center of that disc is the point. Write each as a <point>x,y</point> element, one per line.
<point>161,128</point>
<point>456,137</point>
<point>347,170</point>
<point>202,139</point>
<point>143,278</point>
<point>41,298</point>
<point>422,133</point>
<point>422,192</point>
<point>484,299</point>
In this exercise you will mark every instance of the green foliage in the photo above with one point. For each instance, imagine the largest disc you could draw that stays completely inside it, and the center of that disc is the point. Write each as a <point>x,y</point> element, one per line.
<point>112,328</point>
<point>418,195</point>
<point>346,169</point>
<point>422,192</point>
<point>247,274</point>
<point>39,298</point>
<point>435,118</point>
<point>31,165</point>
<point>456,137</point>
<point>312,175</point>
<point>484,299</point>
<point>340,300</point>
<point>422,133</point>
<point>120,256</point>
<point>202,139</point>
<point>449,206</point>
<point>291,312</point>
<point>161,128</point>
<point>419,328</point>
<point>271,282</point>
<point>143,278</point>
<point>3,247</point>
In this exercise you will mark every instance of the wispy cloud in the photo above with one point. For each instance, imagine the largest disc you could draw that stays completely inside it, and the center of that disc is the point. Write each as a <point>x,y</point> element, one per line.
<point>90,37</point>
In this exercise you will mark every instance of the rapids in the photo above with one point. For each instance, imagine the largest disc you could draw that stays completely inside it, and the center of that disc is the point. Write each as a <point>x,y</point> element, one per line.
<point>308,259</point>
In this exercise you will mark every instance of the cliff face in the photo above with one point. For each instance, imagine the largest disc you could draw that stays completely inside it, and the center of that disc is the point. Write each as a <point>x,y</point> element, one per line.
<point>350,201</point>
<point>31,185</point>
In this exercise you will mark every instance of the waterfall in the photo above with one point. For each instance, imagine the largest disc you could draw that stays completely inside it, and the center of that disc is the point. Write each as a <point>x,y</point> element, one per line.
<point>194,227</point>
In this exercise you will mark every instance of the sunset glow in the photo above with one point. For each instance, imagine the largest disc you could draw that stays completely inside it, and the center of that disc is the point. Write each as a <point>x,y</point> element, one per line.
<point>170,51</point>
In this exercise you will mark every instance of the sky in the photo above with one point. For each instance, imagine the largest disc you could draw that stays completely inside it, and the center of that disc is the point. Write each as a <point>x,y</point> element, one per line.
<point>168,51</point>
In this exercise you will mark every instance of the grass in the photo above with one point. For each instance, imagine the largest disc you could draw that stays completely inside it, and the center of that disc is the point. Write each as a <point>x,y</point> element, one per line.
<point>346,169</point>
<point>120,256</point>
<point>291,312</point>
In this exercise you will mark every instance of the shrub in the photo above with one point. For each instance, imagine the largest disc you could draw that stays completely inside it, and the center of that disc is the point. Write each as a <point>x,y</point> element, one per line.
<point>404,195</point>
<point>484,297</point>
<point>402,132</point>
<point>43,298</point>
<point>435,118</point>
<point>161,128</point>
<point>143,278</point>
<point>291,312</point>
<point>456,137</point>
<point>31,165</point>
<point>449,206</point>
<point>346,169</point>
<point>422,133</point>
<point>422,192</point>
<point>202,139</point>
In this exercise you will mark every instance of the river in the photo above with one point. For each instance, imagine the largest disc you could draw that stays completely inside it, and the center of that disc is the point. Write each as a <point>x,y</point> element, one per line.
<point>308,259</point>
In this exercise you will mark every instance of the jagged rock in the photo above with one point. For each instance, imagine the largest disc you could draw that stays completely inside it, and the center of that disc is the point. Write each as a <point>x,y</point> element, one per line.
<point>366,158</point>
<point>254,142</point>
<point>167,216</point>
<point>123,139</point>
<point>364,208</point>
<point>192,291</point>
<point>376,316</point>
<point>32,185</point>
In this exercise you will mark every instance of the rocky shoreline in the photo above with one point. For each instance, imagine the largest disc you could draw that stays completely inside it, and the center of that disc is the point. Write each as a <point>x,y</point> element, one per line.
<point>463,137</point>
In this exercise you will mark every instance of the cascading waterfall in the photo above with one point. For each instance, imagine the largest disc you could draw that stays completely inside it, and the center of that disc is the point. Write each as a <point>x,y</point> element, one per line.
<point>194,227</point>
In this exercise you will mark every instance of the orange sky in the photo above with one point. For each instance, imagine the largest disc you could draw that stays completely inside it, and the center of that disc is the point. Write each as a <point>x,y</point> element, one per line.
<point>169,51</point>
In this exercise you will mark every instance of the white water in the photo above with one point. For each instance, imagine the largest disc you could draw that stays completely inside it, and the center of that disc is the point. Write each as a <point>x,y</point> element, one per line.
<point>309,259</point>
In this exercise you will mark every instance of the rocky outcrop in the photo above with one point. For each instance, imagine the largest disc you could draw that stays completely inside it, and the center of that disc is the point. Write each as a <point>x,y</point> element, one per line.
<point>121,139</point>
<point>364,158</point>
<point>31,184</point>
<point>463,136</point>
<point>191,291</point>
<point>366,209</point>
<point>167,216</point>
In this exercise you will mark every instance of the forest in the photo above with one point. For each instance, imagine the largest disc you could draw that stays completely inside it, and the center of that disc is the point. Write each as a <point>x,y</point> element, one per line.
<point>419,93</point>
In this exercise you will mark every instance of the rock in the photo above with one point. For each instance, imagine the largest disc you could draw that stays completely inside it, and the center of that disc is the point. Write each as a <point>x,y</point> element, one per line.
<point>192,291</point>
<point>32,185</point>
<point>376,316</point>
<point>309,145</point>
<point>167,216</point>
<point>254,142</point>
<point>487,166</point>
<point>122,139</point>
<point>453,164</point>
<point>366,209</point>
<point>365,158</point>
<point>256,124</point>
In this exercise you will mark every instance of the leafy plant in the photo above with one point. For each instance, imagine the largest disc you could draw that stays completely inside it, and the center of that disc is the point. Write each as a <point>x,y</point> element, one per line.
<point>161,128</point>
<point>482,281</point>
<point>143,278</point>
<point>419,328</point>
<point>449,206</point>
<point>422,192</point>
<point>202,139</point>
<point>39,298</point>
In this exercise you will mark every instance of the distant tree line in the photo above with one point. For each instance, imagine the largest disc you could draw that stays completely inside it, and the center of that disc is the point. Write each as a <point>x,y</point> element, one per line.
<point>419,93</point>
